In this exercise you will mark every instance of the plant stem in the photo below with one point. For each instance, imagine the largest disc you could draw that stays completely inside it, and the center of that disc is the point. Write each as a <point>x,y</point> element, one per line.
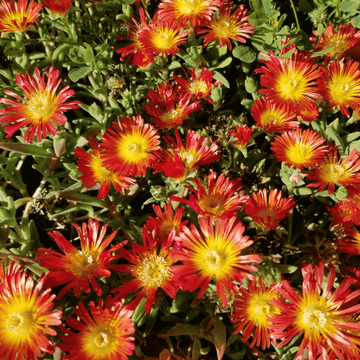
<point>295,15</point>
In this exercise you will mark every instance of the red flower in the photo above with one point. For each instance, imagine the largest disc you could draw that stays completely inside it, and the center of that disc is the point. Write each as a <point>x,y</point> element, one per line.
<point>42,108</point>
<point>143,59</point>
<point>345,213</point>
<point>101,334</point>
<point>169,106</point>
<point>242,134</point>
<point>267,213</point>
<point>59,7</point>
<point>350,244</point>
<point>78,267</point>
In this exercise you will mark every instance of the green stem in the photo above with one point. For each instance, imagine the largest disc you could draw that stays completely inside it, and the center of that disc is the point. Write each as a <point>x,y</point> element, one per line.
<point>295,15</point>
<point>290,218</point>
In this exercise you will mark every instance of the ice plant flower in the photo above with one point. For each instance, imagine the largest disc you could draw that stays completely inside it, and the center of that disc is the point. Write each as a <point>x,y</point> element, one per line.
<point>94,172</point>
<point>308,114</point>
<point>26,317</point>
<point>228,26</point>
<point>319,315</point>
<point>129,149</point>
<point>290,82</point>
<point>267,212</point>
<point>252,309</point>
<point>162,38</point>
<point>59,7</point>
<point>299,148</point>
<point>169,106</point>
<point>351,243</point>
<point>242,136</point>
<point>214,253</point>
<point>103,333</point>
<point>200,86</point>
<point>78,268</point>
<point>333,170</point>
<point>177,162</point>
<point>342,213</point>
<point>18,16</point>
<point>218,199</point>
<point>340,85</point>
<point>143,59</point>
<point>273,118</point>
<point>41,109</point>
<point>151,266</point>
<point>197,11</point>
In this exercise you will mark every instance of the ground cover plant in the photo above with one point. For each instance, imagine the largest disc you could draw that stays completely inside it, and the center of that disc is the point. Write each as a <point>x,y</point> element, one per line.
<point>180,179</point>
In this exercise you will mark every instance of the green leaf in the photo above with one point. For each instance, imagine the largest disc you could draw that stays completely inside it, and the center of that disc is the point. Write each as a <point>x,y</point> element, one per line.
<point>250,85</point>
<point>221,78</point>
<point>349,5</point>
<point>302,191</point>
<point>77,55</point>
<point>88,53</point>
<point>220,339</point>
<point>332,134</point>
<point>356,21</point>
<point>245,54</point>
<point>174,65</point>
<point>304,42</point>
<point>78,73</point>
<point>151,322</point>
<point>351,137</point>
<point>305,6</point>
<point>28,149</point>
<point>222,64</point>
<point>184,329</point>
<point>288,54</point>
<point>322,52</point>
<point>61,49</point>
<point>341,193</point>
<point>257,18</point>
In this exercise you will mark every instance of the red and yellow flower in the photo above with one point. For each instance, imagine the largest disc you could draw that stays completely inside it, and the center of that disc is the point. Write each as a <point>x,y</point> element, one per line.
<point>103,333</point>
<point>94,172</point>
<point>218,199</point>
<point>78,268</point>
<point>25,316</point>
<point>340,85</point>
<point>351,243</point>
<point>345,213</point>
<point>267,212</point>
<point>59,7</point>
<point>319,315</point>
<point>128,150</point>
<point>242,136</point>
<point>228,26</point>
<point>214,253</point>
<point>42,109</point>
<point>18,16</point>
<point>299,148</point>
<point>273,118</point>
<point>169,106</point>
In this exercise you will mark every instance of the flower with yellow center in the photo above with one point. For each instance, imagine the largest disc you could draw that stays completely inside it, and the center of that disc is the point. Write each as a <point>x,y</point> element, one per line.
<point>18,16</point>
<point>104,335</point>
<point>228,26</point>
<point>299,148</point>
<point>25,316</point>
<point>128,150</point>
<point>78,267</point>
<point>333,171</point>
<point>241,136</point>
<point>94,172</point>
<point>151,268</point>
<point>214,254</point>
<point>340,85</point>
<point>181,11</point>
<point>319,315</point>
<point>252,309</point>
<point>42,108</point>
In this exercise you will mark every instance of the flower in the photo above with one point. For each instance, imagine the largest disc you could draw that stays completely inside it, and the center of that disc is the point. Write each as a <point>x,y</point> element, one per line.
<point>343,213</point>
<point>228,26</point>
<point>18,16</point>
<point>290,82</point>
<point>340,85</point>
<point>94,172</point>
<point>214,253</point>
<point>197,11</point>
<point>151,267</point>
<point>251,312</point>
<point>59,7</point>
<point>143,59</point>
<point>162,37</point>
<point>273,118</point>
<point>199,87</point>
<point>177,162</point>
<point>101,334</point>
<point>78,267</point>
<point>42,108</point>
<point>169,106</point>
<point>308,114</point>
<point>333,171</point>
<point>350,244</point>
<point>218,200</point>
<point>128,150</point>
<point>319,315</point>
<point>25,316</point>
<point>299,148</point>
<point>242,134</point>
<point>267,213</point>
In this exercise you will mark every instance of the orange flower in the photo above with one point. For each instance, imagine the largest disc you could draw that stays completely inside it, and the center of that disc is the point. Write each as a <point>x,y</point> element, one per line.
<point>299,148</point>
<point>242,135</point>
<point>59,7</point>
<point>228,26</point>
<point>42,108</point>
<point>129,150</point>
<point>94,172</point>
<point>18,16</point>
<point>267,213</point>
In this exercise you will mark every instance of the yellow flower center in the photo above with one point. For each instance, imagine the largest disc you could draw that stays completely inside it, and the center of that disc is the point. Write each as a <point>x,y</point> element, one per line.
<point>171,116</point>
<point>189,157</point>
<point>132,148</point>
<point>343,88</point>
<point>154,270</point>
<point>315,317</point>
<point>340,45</point>
<point>41,106</point>
<point>214,204</point>
<point>271,117</point>
<point>299,153</point>
<point>101,339</point>
<point>224,28</point>
<point>84,263</point>
<point>199,86</point>
<point>214,260</point>
<point>20,322</point>
<point>333,172</point>
<point>101,173</point>
<point>291,85</point>
<point>166,227</point>
<point>164,39</point>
